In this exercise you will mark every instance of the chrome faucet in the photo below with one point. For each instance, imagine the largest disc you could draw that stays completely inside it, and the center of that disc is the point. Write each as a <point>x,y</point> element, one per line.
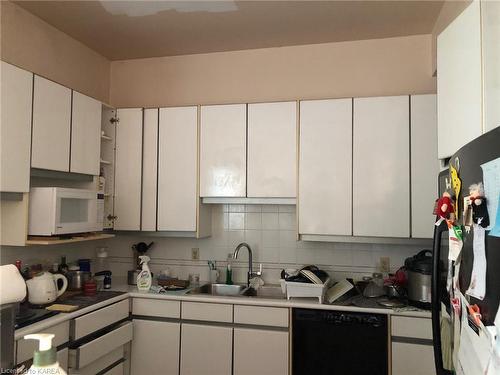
<point>250,274</point>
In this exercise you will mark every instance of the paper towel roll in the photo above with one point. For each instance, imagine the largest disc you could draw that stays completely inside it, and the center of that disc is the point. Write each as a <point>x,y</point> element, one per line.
<point>12,285</point>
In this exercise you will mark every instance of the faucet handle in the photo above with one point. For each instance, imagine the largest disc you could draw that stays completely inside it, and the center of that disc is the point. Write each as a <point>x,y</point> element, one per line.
<point>259,272</point>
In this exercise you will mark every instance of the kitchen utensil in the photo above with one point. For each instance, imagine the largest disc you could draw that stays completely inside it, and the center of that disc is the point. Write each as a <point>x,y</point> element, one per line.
<point>106,278</point>
<point>394,291</point>
<point>373,289</point>
<point>132,277</point>
<point>419,270</point>
<point>42,288</point>
<point>76,279</point>
<point>392,303</point>
<point>62,308</point>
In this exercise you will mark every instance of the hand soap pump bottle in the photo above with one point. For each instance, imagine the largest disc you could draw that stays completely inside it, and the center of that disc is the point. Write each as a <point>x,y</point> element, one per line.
<point>45,358</point>
<point>144,279</point>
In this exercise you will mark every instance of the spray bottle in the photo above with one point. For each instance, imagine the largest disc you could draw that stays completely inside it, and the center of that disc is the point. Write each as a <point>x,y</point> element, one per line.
<point>144,279</point>
<point>45,358</point>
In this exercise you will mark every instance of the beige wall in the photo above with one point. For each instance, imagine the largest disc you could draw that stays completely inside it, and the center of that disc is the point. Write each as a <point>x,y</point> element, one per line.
<point>362,68</point>
<point>32,44</point>
<point>449,11</point>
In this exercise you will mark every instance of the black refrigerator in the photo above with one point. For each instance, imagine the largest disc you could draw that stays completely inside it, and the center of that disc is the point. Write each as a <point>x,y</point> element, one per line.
<point>468,161</point>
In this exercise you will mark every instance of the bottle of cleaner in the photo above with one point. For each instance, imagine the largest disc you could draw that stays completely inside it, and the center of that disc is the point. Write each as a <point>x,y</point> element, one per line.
<point>45,358</point>
<point>229,269</point>
<point>144,279</point>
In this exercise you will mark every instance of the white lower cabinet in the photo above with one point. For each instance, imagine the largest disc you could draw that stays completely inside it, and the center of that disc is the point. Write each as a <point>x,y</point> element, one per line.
<point>206,349</point>
<point>412,359</point>
<point>155,348</point>
<point>260,351</point>
<point>62,358</point>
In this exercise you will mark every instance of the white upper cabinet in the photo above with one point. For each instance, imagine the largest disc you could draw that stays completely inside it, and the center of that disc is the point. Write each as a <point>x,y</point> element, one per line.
<point>490,22</point>
<point>272,150</point>
<point>459,81</point>
<point>177,169</point>
<point>223,151</point>
<point>85,134</point>
<point>51,125</point>
<point>128,169</point>
<point>15,128</point>
<point>424,164</point>
<point>381,185</point>
<point>149,169</point>
<point>325,167</point>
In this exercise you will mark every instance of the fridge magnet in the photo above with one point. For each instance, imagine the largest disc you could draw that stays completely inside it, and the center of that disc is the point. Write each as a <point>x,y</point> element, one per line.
<point>478,205</point>
<point>444,209</point>
<point>477,287</point>
<point>456,184</point>
<point>455,242</point>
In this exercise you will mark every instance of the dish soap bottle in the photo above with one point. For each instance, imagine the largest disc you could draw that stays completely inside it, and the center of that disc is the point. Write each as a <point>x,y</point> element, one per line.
<point>229,269</point>
<point>144,279</point>
<point>45,358</point>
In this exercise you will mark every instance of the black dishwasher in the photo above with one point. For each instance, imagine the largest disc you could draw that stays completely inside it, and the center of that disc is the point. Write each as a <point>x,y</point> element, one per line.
<point>334,342</point>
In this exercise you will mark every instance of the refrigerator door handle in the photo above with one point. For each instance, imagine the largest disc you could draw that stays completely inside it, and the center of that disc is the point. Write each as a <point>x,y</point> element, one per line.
<point>435,299</point>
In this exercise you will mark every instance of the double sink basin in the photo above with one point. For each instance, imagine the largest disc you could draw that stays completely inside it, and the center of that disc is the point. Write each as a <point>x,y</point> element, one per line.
<point>226,290</point>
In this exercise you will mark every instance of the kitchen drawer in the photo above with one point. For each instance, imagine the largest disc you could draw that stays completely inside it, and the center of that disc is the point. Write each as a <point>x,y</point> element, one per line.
<point>155,307</point>
<point>403,326</point>
<point>263,316</point>
<point>62,358</point>
<point>412,359</point>
<point>25,348</point>
<point>94,321</point>
<point>91,351</point>
<point>210,312</point>
<point>116,370</point>
<point>102,363</point>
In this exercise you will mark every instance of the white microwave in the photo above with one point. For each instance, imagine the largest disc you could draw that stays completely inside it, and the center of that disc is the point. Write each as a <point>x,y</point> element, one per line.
<point>55,210</point>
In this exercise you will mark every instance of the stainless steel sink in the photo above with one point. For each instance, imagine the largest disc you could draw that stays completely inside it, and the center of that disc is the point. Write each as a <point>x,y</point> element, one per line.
<point>218,290</point>
<point>238,290</point>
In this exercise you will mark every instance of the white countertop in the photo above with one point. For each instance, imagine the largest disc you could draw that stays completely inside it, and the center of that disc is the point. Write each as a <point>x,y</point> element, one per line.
<point>132,292</point>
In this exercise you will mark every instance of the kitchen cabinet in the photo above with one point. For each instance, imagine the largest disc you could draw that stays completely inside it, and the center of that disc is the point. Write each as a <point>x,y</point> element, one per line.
<point>149,170</point>
<point>272,150</point>
<point>381,161</point>
<point>325,167</point>
<point>178,169</point>
<point>424,164</point>
<point>15,127</point>
<point>223,150</point>
<point>206,349</point>
<point>128,169</point>
<point>155,348</point>
<point>459,81</point>
<point>51,130</point>
<point>85,134</point>
<point>490,24</point>
<point>260,351</point>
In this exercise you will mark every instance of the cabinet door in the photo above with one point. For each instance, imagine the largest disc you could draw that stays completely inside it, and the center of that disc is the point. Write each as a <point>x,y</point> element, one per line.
<point>85,134</point>
<point>155,348</point>
<point>325,175</point>
<point>149,170</point>
<point>381,176</point>
<point>128,169</point>
<point>490,23</point>
<point>15,127</point>
<point>258,351</point>
<point>223,151</point>
<point>412,359</point>
<point>459,81</point>
<point>424,164</point>
<point>177,169</point>
<point>62,358</point>
<point>51,125</point>
<point>206,350</point>
<point>272,150</point>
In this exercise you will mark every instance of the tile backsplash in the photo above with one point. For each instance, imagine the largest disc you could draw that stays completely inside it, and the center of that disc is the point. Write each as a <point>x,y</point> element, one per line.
<point>270,230</point>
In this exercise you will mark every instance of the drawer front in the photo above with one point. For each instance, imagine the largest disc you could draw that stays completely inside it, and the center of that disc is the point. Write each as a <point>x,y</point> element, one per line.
<point>210,312</point>
<point>403,326</point>
<point>103,362</point>
<point>62,358</point>
<point>91,351</point>
<point>91,322</point>
<point>412,359</point>
<point>154,307</point>
<point>25,348</point>
<point>117,370</point>
<point>258,315</point>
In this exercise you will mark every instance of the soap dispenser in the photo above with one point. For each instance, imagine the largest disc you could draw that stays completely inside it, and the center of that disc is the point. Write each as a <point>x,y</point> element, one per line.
<point>45,358</point>
<point>144,279</point>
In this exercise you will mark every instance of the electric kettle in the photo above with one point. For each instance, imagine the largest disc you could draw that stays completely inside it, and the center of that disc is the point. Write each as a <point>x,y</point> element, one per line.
<point>42,288</point>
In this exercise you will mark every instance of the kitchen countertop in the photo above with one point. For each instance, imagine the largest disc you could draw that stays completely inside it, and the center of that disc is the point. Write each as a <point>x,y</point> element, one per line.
<point>132,292</point>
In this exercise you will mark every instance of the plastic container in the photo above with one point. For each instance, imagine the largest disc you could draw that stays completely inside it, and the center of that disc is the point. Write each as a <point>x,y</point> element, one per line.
<point>45,357</point>
<point>102,261</point>
<point>229,269</point>
<point>84,265</point>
